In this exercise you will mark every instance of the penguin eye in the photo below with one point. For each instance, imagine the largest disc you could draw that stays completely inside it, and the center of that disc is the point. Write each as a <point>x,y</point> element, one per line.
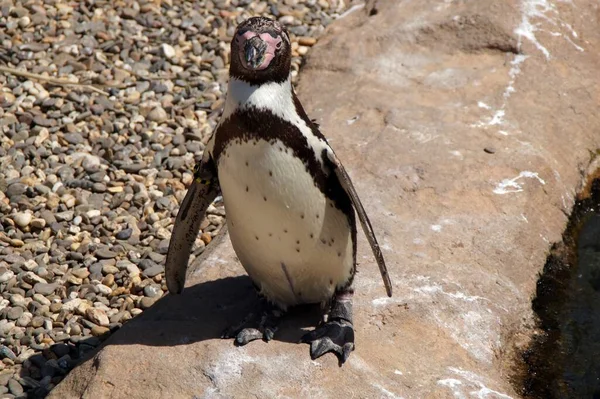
<point>278,45</point>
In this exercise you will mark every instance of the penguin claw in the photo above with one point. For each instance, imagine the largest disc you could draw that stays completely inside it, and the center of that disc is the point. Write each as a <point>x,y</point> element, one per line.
<point>253,327</point>
<point>335,336</point>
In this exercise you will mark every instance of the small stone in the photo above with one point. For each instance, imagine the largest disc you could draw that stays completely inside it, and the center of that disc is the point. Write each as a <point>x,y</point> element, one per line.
<point>81,272</point>
<point>109,269</point>
<point>22,219</point>
<point>206,238</point>
<point>76,330</point>
<point>93,213</point>
<point>60,349</point>
<point>32,278</point>
<point>104,290</point>
<point>14,313</point>
<point>41,299</point>
<point>14,387</point>
<point>55,307</point>
<point>307,41</point>
<point>489,150</point>
<point>104,253</point>
<point>45,288</point>
<point>99,330</point>
<point>72,304</point>
<point>167,50</point>
<point>108,280</point>
<point>147,302</point>
<point>37,321</point>
<point>124,234</point>
<point>51,369</point>
<point>135,311</point>
<point>6,326</point>
<point>74,280</point>
<point>18,300</point>
<point>38,223</point>
<point>83,308</point>
<point>6,352</point>
<point>24,22</point>
<point>153,290</point>
<point>120,317</point>
<point>146,263</point>
<point>133,270</point>
<point>158,114</point>
<point>66,216</point>
<point>4,377</point>
<point>6,274</point>
<point>154,270</point>
<point>15,189</point>
<point>24,320</point>
<point>97,316</point>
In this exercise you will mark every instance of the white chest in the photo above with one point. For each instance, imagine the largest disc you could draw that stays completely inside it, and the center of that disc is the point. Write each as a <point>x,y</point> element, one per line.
<point>293,242</point>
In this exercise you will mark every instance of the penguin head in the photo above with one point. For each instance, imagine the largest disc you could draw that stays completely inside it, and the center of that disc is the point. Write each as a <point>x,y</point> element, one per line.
<point>260,51</point>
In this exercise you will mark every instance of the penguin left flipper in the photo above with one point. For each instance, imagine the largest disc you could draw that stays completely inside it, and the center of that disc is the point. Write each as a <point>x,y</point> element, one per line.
<point>346,183</point>
<point>200,195</point>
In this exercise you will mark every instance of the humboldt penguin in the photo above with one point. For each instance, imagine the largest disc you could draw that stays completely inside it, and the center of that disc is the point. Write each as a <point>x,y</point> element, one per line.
<point>289,202</point>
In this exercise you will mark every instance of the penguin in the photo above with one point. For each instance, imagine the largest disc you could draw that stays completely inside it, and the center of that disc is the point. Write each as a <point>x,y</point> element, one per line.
<point>291,207</point>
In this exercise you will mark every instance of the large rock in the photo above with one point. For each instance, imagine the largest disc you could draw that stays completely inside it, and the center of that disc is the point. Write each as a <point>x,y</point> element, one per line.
<point>467,127</point>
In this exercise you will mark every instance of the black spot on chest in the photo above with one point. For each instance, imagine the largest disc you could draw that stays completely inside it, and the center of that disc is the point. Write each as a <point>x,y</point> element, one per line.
<point>251,125</point>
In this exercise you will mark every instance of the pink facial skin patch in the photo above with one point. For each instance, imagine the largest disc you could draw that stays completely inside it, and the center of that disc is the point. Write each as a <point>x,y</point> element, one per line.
<point>273,44</point>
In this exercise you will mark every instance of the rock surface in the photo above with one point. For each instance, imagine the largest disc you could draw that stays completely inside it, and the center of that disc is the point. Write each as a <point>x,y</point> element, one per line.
<point>468,128</point>
<point>92,173</point>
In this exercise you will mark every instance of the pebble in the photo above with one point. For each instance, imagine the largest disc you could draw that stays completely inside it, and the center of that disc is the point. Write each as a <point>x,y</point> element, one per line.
<point>90,184</point>
<point>154,270</point>
<point>104,253</point>
<point>99,330</point>
<point>152,291</point>
<point>109,269</point>
<point>103,289</point>
<point>14,313</point>
<point>168,50</point>
<point>22,219</point>
<point>158,114</point>
<point>45,288</point>
<point>37,321</point>
<point>97,316</point>
<point>38,223</point>
<point>6,274</point>
<point>6,352</point>
<point>124,234</point>
<point>147,302</point>
<point>14,387</point>
<point>81,273</point>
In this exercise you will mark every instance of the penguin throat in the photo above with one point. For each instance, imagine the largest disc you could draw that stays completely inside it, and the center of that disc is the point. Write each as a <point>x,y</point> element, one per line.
<point>272,96</point>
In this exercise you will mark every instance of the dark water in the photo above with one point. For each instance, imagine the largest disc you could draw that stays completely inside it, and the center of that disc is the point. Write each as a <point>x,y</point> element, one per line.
<point>564,361</point>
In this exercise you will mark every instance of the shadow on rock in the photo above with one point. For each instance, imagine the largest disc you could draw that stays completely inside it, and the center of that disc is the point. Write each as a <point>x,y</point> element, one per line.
<point>203,312</point>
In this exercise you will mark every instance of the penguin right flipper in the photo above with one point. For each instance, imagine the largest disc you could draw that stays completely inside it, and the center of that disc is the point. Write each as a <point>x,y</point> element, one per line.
<point>200,195</point>
<point>346,183</point>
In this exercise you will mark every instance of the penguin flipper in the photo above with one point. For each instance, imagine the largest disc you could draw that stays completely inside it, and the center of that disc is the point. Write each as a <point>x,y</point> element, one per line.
<point>347,185</point>
<point>200,195</point>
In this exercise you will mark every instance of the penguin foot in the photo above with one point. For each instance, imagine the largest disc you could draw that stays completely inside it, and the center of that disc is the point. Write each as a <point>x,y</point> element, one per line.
<point>335,336</point>
<point>261,324</point>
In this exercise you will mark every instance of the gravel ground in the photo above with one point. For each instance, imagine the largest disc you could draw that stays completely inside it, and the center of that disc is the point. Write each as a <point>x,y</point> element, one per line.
<point>94,165</point>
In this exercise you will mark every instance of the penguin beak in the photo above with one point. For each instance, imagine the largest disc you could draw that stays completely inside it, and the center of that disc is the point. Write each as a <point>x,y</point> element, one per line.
<point>254,52</point>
